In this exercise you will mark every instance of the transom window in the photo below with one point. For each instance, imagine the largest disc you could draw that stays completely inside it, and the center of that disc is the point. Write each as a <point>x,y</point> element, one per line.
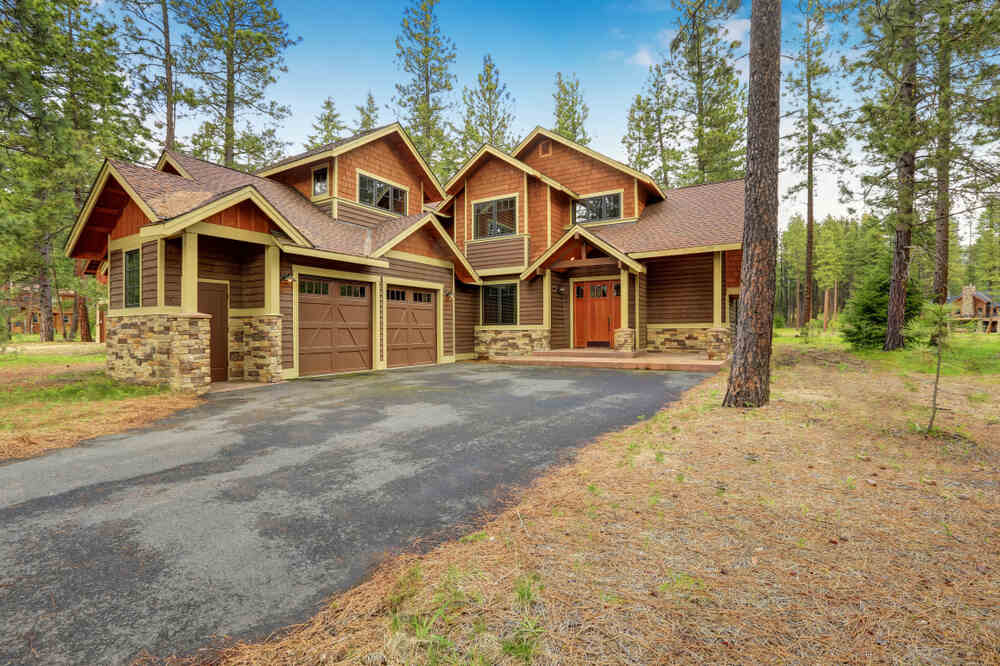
<point>601,207</point>
<point>396,295</point>
<point>321,181</point>
<point>314,287</point>
<point>132,279</point>
<point>353,291</point>
<point>382,195</point>
<point>495,218</point>
<point>421,297</point>
<point>500,304</point>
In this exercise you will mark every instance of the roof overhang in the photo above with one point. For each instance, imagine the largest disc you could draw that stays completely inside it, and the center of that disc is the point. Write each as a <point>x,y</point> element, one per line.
<point>492,151</point>
<point>332,256</point>
<point>246,193</point>
<point>591,238</point>
<point>107,171</point>
<point>652,254</point>
<point>615,164</point>
<point>430,219</point>
<point>395,128</point>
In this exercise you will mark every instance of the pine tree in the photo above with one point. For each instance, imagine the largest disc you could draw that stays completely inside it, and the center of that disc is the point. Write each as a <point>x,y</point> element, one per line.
<point>710,97</point>
<point>654,129</point>
<point>253,149</point>
<point>817,141</point>
<point>234,50</point>
<point>426,55</point>
<point>570,115</point>
<point>488,114</point>
<point>328,126</point>
<point>367,115</point>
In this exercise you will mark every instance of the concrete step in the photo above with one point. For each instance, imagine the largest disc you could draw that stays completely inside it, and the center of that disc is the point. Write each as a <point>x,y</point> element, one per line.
<point>645,362</point>
<point>589,352</point>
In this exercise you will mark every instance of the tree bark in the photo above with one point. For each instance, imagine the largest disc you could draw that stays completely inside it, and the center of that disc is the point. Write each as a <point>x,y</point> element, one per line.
<point>906,166</point>
<point>750,372</point>
<point>168,79</point>
<point>84,317</point>
<point>229,122</point>
<point>74,317</point>
<point>942,205</point>
<point>810,162</point>
<point>826,309</point>
<point>45,333</point>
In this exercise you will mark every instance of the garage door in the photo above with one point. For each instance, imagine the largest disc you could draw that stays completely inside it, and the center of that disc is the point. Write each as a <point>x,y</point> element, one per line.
<point>335,326</point>
<point>411,326</point>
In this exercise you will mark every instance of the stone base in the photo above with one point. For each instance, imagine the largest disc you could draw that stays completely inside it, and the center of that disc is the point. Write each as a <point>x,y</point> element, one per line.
<point>170,349</point>
<point>624,339</point>
<point>255,348</point>
<point>718,343</point>
<point>491,343</point>
<point>714,343</point>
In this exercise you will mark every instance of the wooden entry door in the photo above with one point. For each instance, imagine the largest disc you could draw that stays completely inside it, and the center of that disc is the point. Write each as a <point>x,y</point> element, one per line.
<point>335,326</point>
<point>411,327</point>
<point>213,299</point>
<point>596,312</point>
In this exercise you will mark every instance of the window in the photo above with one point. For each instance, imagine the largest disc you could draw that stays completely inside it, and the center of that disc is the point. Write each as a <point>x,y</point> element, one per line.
<point>132,279</point>
<point>396,295</point>
<point>579,291</point>
<point>598,291</point>
<point>500,305</point>
<point>381,195</point>
<point>601,207</point>
<point>352,291</point>
<point>618,289</point>
<point>314,287</point>
<point>545,148</point>
<point>421,297</point>
<point>495,218</point>
<point>321,181</point>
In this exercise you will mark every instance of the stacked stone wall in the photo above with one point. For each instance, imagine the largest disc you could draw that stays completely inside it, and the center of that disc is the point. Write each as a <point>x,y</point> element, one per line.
<point>491,343</point>
<point>160,349</point>
<point>712,342</point>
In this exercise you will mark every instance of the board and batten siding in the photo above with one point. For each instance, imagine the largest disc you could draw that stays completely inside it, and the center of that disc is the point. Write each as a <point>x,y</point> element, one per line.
<point>679,289</point>
<point>466,317</point>
<point>149,278</point>
<point>503,252</point>
<point>116,288</point>
<point>560,311</point>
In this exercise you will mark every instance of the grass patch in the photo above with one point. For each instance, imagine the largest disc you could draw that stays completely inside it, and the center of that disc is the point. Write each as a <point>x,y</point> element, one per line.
<point>15,360</point>
<point>76,387</point>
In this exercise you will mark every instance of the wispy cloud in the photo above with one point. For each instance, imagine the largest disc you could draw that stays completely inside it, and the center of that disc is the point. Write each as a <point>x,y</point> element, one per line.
<point>644,57</point>
<point>737,29</point>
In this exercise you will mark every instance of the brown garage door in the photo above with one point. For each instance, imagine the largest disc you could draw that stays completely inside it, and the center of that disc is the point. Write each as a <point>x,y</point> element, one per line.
<point>411,326</point>
<point>335,326</point>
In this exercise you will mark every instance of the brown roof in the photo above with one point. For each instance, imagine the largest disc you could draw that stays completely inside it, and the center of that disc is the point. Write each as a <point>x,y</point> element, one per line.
<point>391,228</point>
<point>696,216</point>
<point>168,195</point>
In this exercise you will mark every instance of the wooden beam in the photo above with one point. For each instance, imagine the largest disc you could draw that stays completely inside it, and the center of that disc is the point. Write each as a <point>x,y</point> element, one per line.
<point>567,264</point>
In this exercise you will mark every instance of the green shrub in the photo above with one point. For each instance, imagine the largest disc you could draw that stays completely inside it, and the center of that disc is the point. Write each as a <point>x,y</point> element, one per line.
<point>779,320</point>
<point>864,319</point>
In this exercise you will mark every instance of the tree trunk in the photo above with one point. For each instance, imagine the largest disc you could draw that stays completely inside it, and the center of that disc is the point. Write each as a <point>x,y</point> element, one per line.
<point>798,304</point>
<point>62,308</point>
<point>810,222</point>
<point>45,333</point>
<point>906,165</point>
<point>84,317</point>
<point>942,205</point>
<point>229,122</point>
<point>826,309</point>
<point>937,380</point>
<point>750,372</point>
<point>74,317</point>
<point>836,296</point>
<point>168,78</point>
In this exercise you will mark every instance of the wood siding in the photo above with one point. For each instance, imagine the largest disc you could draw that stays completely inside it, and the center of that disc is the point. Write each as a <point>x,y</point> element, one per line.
<point>560,312</point>
<point>358,214</point>
<point>386,158</point>
<point>426,243</point>
<point>172,253</point>
<point>240,264</point>
<point>116,286</point>
<point>641,332</point>
<point>732,266</point>
<point>129,222</point>
<point>285,295</point>
<point>493,179</point>
<point>537,224</point>
<point>498,253</point>
<point>466,317</point>
<point>149,277</point>
<point>530,294</point>
<point>244,215</point>
<point>679,289</point>
<point>631,302</point>
<point>561,214</point>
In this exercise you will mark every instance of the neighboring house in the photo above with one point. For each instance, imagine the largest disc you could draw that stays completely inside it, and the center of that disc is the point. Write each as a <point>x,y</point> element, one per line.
<point>353,256</point>
<point>24,312</point>
<point>977,306</point>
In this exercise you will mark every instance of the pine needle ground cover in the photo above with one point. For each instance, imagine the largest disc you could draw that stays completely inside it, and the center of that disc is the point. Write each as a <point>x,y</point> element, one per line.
<point>823,528</point>
<point>55,401</point>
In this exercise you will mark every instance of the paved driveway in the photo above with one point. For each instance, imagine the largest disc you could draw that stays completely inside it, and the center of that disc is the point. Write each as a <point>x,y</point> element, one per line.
<point>243,515</point>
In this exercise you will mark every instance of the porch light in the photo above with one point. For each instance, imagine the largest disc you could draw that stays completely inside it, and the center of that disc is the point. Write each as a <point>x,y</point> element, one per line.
<point>287,277</point>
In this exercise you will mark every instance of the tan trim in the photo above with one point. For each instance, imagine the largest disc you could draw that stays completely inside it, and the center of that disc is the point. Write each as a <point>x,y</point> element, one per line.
<point>189,272</point>
<point>499,327</point>
<point>615,164</point>
<point>526,214</point>
<point>623,298</point>
<point>272,280</point>
<point>335,193</point>
<point>242,235</point>
<point>717,289</point>
<point>514,162</point>
<point>127,243</point>
<point>316,198</point>
<point>332,256</point>
<point>601,223</point>
<point>732,291</point>
<point>636,345</point>
<point>418,258</point>
<point>612,220</point>
<point>419,284</point>
<point>547,299</point>
<point>165,158</point>
<point>493,239</point>
<point>149,310</point>
<point>358,172</point>
<point>686,250</point>
<point>468,212</point>
<point>516,196</point>
<point>635,199</point>
<point>548,216</point>
<point>594,240</point>
<point>465,357</point>
<point>106,171</point>
<point>297,270</point>
<point>572,299</point>
<point>503,270</point>
<point>357,143</point>
<point>431,219</point>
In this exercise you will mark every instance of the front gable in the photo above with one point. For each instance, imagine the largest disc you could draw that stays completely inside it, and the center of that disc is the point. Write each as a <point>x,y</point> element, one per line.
<point>112,210</point>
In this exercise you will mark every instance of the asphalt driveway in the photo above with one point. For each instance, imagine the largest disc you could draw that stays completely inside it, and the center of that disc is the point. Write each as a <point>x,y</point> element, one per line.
<point>243,515</point>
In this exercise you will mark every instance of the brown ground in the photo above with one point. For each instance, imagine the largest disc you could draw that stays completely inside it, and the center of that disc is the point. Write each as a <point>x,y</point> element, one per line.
<point>823,528</point>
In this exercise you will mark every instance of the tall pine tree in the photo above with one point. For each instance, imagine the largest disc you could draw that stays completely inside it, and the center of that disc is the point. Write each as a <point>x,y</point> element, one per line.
<point>488,114</point>
<point>570,114</point>
<point>328,126</point>
<point>654,129</point>
<point>367,114</point>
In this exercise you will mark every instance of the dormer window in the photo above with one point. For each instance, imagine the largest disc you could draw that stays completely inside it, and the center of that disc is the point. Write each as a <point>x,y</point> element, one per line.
<point>599,207</point>
<point>320,181</point>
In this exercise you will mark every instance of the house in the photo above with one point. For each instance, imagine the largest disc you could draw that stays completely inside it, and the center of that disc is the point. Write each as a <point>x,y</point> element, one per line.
<point>23,312</point>
<point>977,306</point>
<point>353,256</point>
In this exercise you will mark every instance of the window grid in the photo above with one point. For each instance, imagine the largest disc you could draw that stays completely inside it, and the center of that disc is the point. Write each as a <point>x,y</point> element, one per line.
<point>353,291</point>
<point>421,297</point>
<point>500,305</point>
<point>396,295</point>
<point>601,207</point>
<point>132,279</point>
<point>495,218</point>
<point>320,185</point>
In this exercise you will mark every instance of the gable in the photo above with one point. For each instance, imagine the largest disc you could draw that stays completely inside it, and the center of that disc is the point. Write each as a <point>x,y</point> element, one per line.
<point>112,211</point>
<point>424,242</point>
<point>245,215</point>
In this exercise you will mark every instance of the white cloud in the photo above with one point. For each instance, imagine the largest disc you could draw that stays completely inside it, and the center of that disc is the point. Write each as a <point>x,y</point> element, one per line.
<point>737,29</point>
<point>644,57</point>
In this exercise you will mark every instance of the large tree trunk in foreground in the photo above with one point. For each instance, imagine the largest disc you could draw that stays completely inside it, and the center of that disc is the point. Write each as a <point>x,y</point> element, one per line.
<point>942,205</point>
<point>750,374</point>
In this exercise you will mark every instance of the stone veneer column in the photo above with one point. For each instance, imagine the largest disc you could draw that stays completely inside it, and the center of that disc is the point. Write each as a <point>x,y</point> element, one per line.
<point>262,348</point>
<point>624,339</point>
<point>491,343</point>
<point>170,349</point>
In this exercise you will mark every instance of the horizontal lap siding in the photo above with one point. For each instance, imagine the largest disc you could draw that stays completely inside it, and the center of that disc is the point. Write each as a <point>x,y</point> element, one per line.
<point>253,277</point>
<point>593,271</point>
<point>530,295</point>
<point>679,289</point>
<point>631,302</point>
<point>640,293</point>
<point>358,214</point>
<point>218,259</point>
<point>466,317</point>
<point>500,253</point>
<point>172,252</point>
<point>149,279</point>
<point>560,312</point>
<point>115,279</point>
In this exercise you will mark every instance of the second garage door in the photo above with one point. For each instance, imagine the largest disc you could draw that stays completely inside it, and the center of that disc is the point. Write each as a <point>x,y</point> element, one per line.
<point>335,330</point>
<point>411,326</point>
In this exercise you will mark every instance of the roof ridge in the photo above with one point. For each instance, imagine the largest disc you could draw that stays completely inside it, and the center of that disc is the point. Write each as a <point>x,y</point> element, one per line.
<point>326,146</point>
<point>718,182</point>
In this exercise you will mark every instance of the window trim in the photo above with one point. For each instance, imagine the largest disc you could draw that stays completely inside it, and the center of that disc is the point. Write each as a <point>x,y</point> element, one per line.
<point>603,220</point>
<point>381,179</point>
<point>516,196</point>
<point>517,303</point>
<point>312,182</point>
<point>138,254</point>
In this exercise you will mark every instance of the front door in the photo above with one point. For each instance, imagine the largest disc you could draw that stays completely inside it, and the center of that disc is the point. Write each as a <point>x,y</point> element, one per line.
<point>213,299</point>
<point>596,312</point>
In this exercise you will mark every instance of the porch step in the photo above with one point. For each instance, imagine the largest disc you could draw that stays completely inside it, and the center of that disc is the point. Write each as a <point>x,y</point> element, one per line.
<point>589,352</point>
<point>641,362</point>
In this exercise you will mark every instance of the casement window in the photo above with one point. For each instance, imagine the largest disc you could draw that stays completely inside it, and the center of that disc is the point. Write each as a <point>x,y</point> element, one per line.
<point>601,207</point>
<point>374,192</point>
<point>132,279</point>
<point>321,182</point>
<point>495,218</point>
<point>500,304</point>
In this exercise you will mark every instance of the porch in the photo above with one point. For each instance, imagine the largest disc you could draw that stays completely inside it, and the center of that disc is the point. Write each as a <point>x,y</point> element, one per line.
<point>617,360</point>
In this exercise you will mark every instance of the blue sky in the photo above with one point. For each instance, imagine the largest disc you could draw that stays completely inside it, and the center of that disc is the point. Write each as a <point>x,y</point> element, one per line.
<point>348,49</point>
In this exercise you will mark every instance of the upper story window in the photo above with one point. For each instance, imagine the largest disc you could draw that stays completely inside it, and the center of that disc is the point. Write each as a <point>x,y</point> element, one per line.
<point>495,218</point>
<point>601,207</point>
<point>321,182</point>
<point>374,192</point>
<point>132,279</point>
